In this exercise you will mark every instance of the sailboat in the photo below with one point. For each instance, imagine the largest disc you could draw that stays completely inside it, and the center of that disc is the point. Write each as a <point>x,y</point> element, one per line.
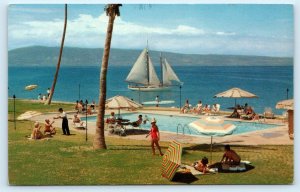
<point>143,77</point>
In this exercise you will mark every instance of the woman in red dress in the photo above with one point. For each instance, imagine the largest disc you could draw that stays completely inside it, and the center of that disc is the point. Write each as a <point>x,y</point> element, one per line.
<point>154,133</point>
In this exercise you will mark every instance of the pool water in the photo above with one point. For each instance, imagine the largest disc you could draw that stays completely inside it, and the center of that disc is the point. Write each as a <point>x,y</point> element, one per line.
<point>169,123</point>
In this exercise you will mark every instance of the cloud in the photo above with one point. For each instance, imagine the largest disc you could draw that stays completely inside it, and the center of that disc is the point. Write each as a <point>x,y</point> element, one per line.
<point>89,31</point>
<point>225,33</point>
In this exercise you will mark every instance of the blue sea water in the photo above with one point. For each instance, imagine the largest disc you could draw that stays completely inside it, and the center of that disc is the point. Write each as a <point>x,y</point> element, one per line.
<point>270,84</point>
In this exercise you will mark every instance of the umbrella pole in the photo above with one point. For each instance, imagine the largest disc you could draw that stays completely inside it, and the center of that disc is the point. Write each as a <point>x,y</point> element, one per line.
<point>211,138</point>
<point>235,102</point>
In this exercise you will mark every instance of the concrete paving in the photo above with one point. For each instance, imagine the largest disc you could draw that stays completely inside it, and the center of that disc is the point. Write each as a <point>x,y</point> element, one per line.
<point>274,136</point>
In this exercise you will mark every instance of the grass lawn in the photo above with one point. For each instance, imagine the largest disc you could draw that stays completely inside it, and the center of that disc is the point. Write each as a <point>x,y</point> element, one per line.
<point>69,160</point>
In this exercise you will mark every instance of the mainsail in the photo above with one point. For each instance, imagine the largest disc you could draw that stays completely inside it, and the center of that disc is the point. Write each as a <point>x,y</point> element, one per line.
<point>139,73</point>
<point>168,74</point>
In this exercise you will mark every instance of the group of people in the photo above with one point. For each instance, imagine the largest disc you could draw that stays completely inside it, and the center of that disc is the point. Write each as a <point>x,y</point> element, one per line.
<point>153,133</point>
<point>81,107</point>
<point>199,108</point>
<point>229,158</point>
<point>244,112</point>
<point>112,120</point>
<point>45,96</point>
<point>38,134</point>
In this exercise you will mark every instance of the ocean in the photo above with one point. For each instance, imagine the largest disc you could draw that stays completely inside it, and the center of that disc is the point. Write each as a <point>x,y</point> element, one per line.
<point>270,84</point>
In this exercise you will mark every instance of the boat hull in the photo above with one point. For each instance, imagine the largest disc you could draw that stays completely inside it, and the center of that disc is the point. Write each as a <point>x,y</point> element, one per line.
<point>149,88</point>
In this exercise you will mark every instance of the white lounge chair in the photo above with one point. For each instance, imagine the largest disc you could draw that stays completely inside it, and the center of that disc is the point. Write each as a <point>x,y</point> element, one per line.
<point>268,114</point>
<point>80,125</point>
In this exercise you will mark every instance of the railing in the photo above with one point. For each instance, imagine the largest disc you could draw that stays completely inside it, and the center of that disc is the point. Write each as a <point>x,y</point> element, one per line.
<point>183,128</point>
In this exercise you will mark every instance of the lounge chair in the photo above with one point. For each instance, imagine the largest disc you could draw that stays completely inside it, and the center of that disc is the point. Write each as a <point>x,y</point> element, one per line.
<point>80,125</point>
<point>268,114</point>
<point>119,130</point>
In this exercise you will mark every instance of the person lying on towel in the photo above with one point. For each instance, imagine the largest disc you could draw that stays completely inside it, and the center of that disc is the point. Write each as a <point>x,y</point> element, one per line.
<point>230,156</point>
<point>201,165</point>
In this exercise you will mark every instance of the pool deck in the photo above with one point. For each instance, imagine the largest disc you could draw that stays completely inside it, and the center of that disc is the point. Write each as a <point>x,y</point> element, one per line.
<point>274,136</point>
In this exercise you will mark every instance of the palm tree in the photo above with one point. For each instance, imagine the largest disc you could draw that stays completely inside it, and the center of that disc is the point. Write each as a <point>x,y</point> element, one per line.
<point>112,10</point>
<point>48,102</point>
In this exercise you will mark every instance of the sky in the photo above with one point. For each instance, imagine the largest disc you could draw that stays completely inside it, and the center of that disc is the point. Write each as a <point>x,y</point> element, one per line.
<point>232,29</point>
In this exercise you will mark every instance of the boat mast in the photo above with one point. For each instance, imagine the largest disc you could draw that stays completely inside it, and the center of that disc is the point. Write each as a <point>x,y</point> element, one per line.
<point>148,70</point>
<point>161,70</point>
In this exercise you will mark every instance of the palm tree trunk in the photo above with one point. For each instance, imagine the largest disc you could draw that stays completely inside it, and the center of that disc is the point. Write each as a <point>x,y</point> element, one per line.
<point>48,102</point>
<point>99,140</point>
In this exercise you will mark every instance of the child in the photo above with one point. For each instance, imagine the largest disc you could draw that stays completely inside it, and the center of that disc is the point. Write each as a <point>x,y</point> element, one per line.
<point>36,132</point>
<point>201,165</point>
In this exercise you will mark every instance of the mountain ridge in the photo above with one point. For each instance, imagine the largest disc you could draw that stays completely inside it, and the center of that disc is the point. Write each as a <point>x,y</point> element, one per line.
<point>75,56</point>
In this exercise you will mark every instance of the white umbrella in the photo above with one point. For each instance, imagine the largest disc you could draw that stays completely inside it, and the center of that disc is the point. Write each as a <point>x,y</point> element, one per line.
<point>285,104</point>
<point>212,126</point>
<point>236,93</point>
<point>121,102</point>
<point>30,87</point>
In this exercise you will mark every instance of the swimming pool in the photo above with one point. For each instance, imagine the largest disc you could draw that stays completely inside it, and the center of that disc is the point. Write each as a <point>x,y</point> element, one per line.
<point>169,123</point>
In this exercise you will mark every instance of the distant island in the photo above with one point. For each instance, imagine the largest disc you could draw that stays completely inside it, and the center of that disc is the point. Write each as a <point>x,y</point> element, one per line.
<point>47,56</point>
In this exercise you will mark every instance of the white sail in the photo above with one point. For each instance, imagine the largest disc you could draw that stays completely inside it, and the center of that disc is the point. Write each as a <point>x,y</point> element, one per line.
<point>139,72</point>
<point>153,79</point>
<point>168,74</point>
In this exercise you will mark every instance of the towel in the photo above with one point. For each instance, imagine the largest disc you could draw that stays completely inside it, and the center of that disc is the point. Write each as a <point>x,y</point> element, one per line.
<point>191,169</point>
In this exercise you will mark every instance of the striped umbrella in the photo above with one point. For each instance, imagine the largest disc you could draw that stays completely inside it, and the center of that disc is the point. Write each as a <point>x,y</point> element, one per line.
<point>121,102</point>
<point>212,126</point>
<point>236,93</point>
<point>171,160</point>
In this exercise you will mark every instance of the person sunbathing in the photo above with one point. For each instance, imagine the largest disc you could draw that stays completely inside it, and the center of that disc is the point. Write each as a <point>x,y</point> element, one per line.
<point>202,165</point>
<point>138,122</point>
<point>77,119</point>
<point>230,156</point>
<point>49,128</point>
<point>111,119</point>
<point>89,110</point>
<point>235,114</point>
<point>198,108</point>
<point>250,114</point>
<point>186,107</point>
<point>36,132</point>
<point>206,109</point>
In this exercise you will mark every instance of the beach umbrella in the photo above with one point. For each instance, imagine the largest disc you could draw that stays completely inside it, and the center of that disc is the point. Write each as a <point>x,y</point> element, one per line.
<point>171,160</point>
<point>121,102</point>
<point>236,93</point>
<point>289,106</point>
<point>30,87</point>
<point>212,126</point>
<point>285,104</point>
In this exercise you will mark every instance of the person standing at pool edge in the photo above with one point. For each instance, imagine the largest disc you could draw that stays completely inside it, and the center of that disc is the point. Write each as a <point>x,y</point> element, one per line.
<point>155,136</point>
<point>65,124</point>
